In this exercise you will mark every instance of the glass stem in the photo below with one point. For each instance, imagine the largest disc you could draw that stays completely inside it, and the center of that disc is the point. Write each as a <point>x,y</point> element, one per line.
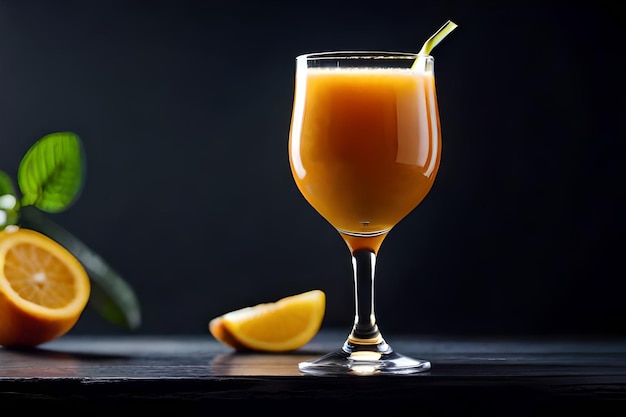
<point>365,330</point>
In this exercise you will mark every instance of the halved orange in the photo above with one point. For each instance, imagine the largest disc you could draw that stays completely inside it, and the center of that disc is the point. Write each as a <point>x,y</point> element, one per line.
<point>43,288</point>
<point>280,326</point>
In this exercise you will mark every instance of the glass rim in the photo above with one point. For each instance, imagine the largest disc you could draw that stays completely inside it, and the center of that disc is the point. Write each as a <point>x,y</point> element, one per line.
<point>361,54</point>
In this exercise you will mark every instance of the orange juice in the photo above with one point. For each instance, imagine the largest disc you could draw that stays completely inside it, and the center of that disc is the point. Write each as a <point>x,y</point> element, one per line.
<point>364,146</point>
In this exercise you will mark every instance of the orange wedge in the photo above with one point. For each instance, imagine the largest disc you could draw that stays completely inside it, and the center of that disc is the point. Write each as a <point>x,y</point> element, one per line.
<point>43,288</point>
<point>280,326</point>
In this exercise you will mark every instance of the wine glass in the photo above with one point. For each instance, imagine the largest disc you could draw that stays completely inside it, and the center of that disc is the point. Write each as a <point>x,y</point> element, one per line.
<point>364,150</point>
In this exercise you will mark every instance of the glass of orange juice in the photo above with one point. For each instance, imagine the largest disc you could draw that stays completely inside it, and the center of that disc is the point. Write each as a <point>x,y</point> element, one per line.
<point>364,150</point>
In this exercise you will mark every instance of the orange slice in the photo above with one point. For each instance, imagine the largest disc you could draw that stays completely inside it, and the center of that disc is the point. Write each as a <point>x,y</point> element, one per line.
<point>43,288</point>
<point>280,326</point>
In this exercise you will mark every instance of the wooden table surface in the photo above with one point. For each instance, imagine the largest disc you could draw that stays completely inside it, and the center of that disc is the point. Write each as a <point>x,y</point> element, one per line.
<point>487,375</point>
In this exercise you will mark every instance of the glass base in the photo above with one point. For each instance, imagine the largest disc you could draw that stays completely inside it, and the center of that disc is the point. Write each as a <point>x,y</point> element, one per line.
<point>363,363</point>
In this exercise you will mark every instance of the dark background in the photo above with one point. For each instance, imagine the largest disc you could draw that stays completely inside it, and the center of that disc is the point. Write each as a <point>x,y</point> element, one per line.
<point>184,110</point>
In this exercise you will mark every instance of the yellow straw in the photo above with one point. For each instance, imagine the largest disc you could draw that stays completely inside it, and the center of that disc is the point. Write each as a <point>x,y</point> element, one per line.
<point>436,37</point>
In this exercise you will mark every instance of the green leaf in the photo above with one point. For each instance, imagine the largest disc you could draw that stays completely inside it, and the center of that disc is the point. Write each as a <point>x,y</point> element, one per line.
<point>50,175</point>
<point>111,296</point>
<point>6,185</point>
<point>9,206</point>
